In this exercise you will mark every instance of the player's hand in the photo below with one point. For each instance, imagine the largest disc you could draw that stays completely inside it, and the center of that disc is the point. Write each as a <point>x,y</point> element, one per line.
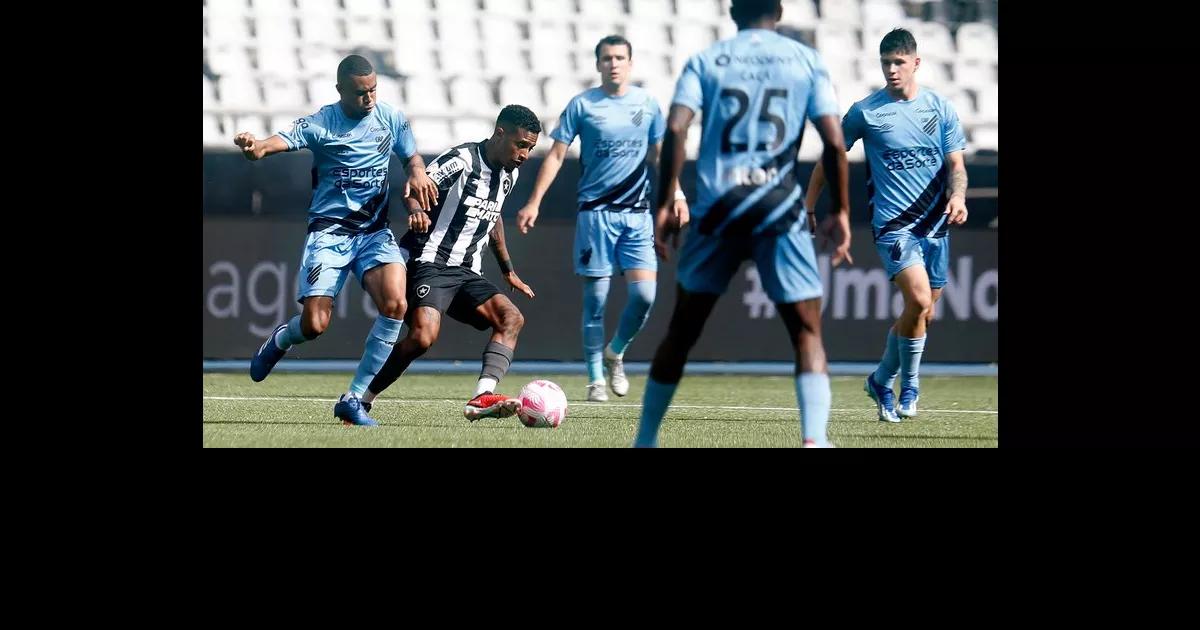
<point>425,190</point>
<point>515,284</point>
<point>682,214</point>
<point>418,221</point>
<point>246,142</point>
<point>957,209</point>
<point>812,223</point>
<point>526,217</point>
<point>836,228</point>
<point>666,231</point>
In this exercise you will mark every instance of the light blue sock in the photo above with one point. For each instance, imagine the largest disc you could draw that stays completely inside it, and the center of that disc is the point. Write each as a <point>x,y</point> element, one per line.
<point>654,405</point>
<point>290,336</point>
<point>813,396</point>
<point>380,341</point>
<point>910,361</point>
<point>889,367</point>
<point>595,294</point>
<point>637,311</point>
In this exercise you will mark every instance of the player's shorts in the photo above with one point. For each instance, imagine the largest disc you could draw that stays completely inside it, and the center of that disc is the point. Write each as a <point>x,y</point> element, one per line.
<point>329,258</point>
<point>787,263</point>
<point>455,291</point>
<point>604,238</point>
<point>901,249</point>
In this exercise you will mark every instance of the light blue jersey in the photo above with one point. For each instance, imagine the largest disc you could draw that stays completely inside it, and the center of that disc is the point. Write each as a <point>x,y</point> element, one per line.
<point>906,144</point>
<point>615,132</point>
<point>756,90</point>
<point>350,165</point>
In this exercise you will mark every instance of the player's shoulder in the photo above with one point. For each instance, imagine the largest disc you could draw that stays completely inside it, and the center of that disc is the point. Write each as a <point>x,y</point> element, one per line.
<point>588,96</point>
<point>873,101</point>
<point>935,99</point>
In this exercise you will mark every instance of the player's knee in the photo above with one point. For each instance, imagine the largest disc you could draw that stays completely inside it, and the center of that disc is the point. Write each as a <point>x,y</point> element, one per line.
<point>921,301</point>
<point>423,338</point>
<point>511,321</point>
<point>395,308</point>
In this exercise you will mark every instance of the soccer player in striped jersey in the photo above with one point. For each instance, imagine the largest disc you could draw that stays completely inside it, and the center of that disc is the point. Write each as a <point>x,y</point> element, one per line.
<point>620,127</point>
<point>917,186</point>
<point>755,90</point>
<point>447,243</point>
<point>351,142</point>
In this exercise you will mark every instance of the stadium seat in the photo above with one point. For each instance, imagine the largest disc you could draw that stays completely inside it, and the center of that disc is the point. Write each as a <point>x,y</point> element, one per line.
<point>976,41</point>
<point>252,123</point>
<point>319,29</point>
<point>282,123</point>
<point>702,11</point>
<point>985,138</point>
<point>465,8</point>
<point>275,31</point>
<point>974,74</point>
<point>887,13</point>
<point>273,8</point>
<point>546,37</point>
<point>469,95</point>
<point>559,91</point>
<point>370,8</point>
<point>841,12</point>
<point>318,59</point>
<point>800,13</point>
<point>388,90</point>
<point>964,107</point>
<point>316,8</point>
<point>322,90</point>
<point>476,128</point>
<point>281,93</point>
<point>213,136</point>
<point>414,30</point>
<point>509,8</point>
<point>239,92</point>
<point>458,31</point>
<point>459,60</point>
<point>645,36</point>
<point>367,32</point>
<point>603,9</point>
<point>988,104</point>
<point>559,64</point>
<point>835,37</point>
<point>210,95</point>
<point>933,74</point>
<point>553,10</point>
<point>692,37</point>
<point>841,69</point>
<point>425,94</point>
<point>651,11</point>
<point>502,32</point>
<point>225,8</point>
<point>227,30</point>
<point>933,39</point>
<point>520,88</point>
<point>278,61</point>
<point>589,32</point>
<point>434,136</point>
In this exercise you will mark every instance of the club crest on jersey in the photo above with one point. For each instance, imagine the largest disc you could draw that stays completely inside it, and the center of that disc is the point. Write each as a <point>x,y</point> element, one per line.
<point>506,184</point>
<point>637,118</point>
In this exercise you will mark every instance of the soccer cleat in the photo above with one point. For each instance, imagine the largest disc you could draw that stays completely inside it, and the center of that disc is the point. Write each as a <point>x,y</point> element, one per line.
<point>267,356</point>
<point>884,399</point>
<point>352,411</point>
<point>813,444</point>
<point>489,405</point>
<point>908,402</point>
<point>596,393</point>
<point>614,368</point>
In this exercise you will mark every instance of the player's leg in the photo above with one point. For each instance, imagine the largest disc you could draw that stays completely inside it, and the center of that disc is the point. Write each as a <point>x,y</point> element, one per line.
<point>323,270</point>
<point>635,254</point>
<point>898,251</point>
<point>706,264</point>
<point>787,265</point>
<point>595,240</point>
<point>506,321</point>
<point>380,264</point>
<point>913,283</point>
<point>936,252</point>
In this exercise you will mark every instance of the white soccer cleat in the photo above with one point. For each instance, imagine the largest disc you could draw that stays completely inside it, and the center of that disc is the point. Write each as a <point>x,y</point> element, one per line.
<point>614,369</point>
<point>596,393</point>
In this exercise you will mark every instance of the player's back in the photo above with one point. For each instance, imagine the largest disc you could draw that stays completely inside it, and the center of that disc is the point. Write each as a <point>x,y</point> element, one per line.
<point>755,89</point>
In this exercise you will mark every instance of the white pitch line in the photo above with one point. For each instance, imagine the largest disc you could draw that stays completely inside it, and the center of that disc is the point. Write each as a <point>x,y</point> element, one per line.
<point>586,404</point>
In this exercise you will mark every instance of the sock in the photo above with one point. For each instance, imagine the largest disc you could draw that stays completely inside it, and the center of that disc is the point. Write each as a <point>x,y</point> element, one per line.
<point>290,336</point>
<point>885,374</point>
<point>380,340</point>
<point>910,361</point>
<point>497,358</point>
<point>595,294</point>
<point>637,311</point>
<point>654,405</point>
<point>485,385</point>
<point>813,397</point>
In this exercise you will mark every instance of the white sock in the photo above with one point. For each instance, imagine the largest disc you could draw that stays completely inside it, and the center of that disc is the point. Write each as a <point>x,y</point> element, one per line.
<point>486,384</point>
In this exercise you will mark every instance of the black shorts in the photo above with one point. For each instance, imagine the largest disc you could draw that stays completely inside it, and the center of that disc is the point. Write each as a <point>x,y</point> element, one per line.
<point>455,291</point>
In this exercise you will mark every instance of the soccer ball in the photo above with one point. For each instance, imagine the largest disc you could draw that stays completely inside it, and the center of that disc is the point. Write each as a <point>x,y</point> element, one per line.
<point>543,404</point>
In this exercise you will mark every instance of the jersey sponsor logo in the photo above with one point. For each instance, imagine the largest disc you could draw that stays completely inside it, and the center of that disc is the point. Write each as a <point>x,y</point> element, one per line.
<point>446,171</point>
<point>619,148</point>
<point>482,209</point>
<point>752,176</point>
<point>885,114</point>
<point>911,157</point>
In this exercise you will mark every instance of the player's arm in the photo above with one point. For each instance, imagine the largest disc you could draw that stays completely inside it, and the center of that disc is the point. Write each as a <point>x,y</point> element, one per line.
<point>836,226</point>
<point>668,222</point>
<point>527,216</point>
<point>418,217</point>
<point>419,185</point>
<point>255,149</point>
<point>500,250</point>
<point>956,207</point>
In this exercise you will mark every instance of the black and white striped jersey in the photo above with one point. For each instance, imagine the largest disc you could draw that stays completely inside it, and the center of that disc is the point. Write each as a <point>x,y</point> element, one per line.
<point>471,192</point>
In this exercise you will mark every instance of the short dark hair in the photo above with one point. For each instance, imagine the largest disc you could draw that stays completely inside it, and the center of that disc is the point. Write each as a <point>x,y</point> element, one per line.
<point>354,65</point>
<point>743,11</point>
<point>519,116</point>
<point>898,41</point>
<point>613,40</point>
